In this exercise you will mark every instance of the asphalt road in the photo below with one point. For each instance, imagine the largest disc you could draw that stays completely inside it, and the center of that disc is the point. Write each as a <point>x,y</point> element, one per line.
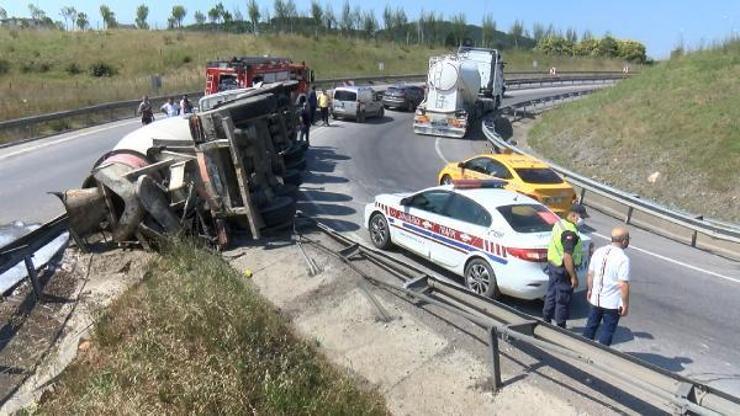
<point>684,314</point>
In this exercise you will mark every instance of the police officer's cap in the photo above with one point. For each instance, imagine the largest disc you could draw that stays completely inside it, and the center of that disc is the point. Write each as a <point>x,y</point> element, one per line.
<point>579,209</point>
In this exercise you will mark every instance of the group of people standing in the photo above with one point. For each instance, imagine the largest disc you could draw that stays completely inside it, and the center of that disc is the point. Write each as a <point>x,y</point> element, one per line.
<point>608,277</point>
<point>309,104</point>
<point>170,108</point>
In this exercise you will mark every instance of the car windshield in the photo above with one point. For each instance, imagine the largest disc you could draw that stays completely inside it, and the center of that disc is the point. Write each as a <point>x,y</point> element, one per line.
<point>539,175</point>
<point>342,95</point>
<point>394,91</point>
<point>528,218</point>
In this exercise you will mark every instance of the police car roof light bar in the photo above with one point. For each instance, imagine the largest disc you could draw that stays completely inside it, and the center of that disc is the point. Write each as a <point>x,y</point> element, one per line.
<point>478,183</point>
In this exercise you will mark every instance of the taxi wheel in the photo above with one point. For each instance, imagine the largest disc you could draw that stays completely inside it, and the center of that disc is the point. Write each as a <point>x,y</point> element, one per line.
<point>380,234</point>
<point>446,180</point>
<point>479,278</point>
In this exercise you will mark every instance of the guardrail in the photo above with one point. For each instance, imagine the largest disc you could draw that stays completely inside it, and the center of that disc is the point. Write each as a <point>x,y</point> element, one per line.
<point>655,386</point>
<point>695,223</point>
<point>34,127</point>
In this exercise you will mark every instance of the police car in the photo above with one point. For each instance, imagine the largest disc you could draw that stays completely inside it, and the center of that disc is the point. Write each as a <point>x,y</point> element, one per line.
<point>495,239</point>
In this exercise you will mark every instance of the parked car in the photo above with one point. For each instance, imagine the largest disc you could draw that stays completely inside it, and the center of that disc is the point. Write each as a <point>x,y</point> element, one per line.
<point>523,174</point>
<point>404,97</point>
<point>495,239</point>
<point>356,103</point>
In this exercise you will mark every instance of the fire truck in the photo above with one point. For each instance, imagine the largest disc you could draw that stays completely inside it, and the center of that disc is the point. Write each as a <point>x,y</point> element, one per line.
<point>247,71</point>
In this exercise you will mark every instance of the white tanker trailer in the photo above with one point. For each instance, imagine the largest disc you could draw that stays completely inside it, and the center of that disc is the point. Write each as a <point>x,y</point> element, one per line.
<point>461,88</point>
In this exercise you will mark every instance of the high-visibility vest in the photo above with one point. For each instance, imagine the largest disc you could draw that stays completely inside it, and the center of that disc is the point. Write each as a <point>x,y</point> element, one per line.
<point>555,249</point>
<point>323,100</point>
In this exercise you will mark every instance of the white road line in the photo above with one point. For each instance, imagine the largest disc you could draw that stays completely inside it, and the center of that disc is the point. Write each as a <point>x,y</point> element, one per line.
<point>439,151</point>
<point>679,263</point>
<point>44,143</point>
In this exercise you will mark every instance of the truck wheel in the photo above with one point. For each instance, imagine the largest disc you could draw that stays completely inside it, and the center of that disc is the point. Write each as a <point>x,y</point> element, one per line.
<point>292,177</point>
<point>479,278</point>
<point>279,211</point>
<point>298,164</point>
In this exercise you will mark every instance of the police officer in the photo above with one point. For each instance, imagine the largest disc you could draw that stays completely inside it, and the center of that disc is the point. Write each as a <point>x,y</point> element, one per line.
<point>564,255</point>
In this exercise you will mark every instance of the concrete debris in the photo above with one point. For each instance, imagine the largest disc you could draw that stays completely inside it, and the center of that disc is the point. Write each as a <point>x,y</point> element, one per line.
<point>236,165</point>
<point>653,177</point>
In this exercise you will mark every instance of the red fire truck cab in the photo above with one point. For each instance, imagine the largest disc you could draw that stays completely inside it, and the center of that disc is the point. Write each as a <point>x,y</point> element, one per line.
<point>246,71</point>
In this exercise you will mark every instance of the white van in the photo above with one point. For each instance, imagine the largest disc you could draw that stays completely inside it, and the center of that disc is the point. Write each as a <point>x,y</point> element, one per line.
<point>357,103</point>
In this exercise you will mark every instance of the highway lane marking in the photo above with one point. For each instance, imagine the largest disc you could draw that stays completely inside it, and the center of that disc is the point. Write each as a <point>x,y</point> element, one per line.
<point>439,151</point>
<point>676,262</point>
<point>66,139</point>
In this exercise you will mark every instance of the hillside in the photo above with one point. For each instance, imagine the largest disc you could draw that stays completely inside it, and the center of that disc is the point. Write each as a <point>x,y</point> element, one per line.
<point>48,70</point>
<point>679,118</point>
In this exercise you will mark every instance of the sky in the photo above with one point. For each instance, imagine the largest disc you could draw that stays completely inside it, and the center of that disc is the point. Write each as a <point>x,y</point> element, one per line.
<point>660,24</point>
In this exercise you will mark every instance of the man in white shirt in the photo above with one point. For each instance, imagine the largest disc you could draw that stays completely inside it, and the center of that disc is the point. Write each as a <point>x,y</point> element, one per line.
<point>608,287</point>
<point>170,108</point>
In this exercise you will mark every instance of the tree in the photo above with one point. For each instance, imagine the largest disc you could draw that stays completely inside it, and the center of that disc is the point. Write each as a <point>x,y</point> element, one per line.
<point>346,23</point>
<point>178,14</point>
<point>571,35</point>
<point>587,35</point>
<point>632,51</point>
<point>200,18</point>
<point>369,23</point>
<point>399,22</point>
<point>538,31</point>
<point>214,15</point>
<point>291,12</point>
<point>608,46</point>
<point>555,45</point>
<point>3,13</point>
<point>459,27</point>
<point>109,17</point>
<point>357,18</point>
<point>317,14</point>
<point>388,21</point>
<point>330,20</point>
<point>281,13</point>
<point>218,13</point>
<point>516,31</point>
<point>82,22</point>
<point>488,30</point>
<point>142,13</point>
<point>253,10</point>
<point>238,16</point>
<point>36,13</point>
<point>69,14</point>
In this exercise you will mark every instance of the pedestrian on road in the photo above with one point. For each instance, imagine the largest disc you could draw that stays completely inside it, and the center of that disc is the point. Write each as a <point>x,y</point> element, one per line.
<point>146,111</point>
<point>186,107</point>
<point>170,108</point>
<point>305,123</point>
<point>608,287</point>
<point>313,102</point>
<point>324,107</point>
<point>564,255</point>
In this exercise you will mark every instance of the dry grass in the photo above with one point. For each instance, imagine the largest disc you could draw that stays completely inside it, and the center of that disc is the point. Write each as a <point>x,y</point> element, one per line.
<point>38,63</point>
<point>679,118</point>
<point>194,339</point>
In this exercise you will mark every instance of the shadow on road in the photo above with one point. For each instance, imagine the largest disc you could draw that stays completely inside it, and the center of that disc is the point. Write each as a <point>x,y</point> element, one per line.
<point>675,364</point>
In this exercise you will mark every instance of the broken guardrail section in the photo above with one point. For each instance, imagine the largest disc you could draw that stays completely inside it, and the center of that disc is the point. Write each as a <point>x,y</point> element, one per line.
<point>238,164</point>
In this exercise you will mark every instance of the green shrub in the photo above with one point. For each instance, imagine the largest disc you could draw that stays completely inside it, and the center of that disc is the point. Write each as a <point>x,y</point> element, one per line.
<point>102,69</point>
<point>73,69</point>
<point>4,66</point>
<point>187,59</point>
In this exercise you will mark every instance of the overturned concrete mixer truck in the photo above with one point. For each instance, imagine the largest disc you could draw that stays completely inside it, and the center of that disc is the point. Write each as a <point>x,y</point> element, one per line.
<point>238,164</point>
<point>461,89</point>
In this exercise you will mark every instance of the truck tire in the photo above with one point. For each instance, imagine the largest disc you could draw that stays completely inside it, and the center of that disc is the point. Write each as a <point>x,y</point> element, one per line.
<point>298,164</point>
<point>292,177</point>
<point>278,211</point>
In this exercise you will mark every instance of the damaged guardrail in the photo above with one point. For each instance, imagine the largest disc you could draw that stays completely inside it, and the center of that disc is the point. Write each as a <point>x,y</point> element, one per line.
<point>38,126</point>
<point>656,386</point>
<point>695,223</point>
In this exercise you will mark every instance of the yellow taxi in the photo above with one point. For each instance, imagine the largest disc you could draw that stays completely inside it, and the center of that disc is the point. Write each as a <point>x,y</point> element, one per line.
<point>523,174</point>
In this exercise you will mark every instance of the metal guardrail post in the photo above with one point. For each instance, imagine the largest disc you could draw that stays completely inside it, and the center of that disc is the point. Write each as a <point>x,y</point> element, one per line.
<point>31,269</point>
<point>495,359</point>
<point>583,195</point>
<point>628,217</point>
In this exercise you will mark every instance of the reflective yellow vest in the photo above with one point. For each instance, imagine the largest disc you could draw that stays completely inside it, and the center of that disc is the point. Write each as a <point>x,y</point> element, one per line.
<point>555,249</point>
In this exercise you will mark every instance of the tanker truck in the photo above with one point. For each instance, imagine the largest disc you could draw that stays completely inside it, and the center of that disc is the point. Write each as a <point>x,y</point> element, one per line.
<point>461,89</point>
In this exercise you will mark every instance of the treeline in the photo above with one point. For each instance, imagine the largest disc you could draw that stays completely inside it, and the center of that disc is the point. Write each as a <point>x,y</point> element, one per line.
<point>430,28</point>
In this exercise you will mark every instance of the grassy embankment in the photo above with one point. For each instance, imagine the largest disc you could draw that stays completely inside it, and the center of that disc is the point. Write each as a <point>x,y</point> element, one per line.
<point>679,118</point>
<point>192,338</point>
<point>37,68</point>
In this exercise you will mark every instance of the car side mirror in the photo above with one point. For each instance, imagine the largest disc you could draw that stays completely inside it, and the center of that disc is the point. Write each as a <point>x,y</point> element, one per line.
<point>406,201</point>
